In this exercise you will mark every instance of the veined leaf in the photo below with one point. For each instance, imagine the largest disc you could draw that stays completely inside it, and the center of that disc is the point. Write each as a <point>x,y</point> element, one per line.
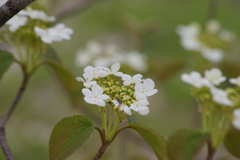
<point>68,135</point>
<point>67,79</point>
<point>157,142</point>
<point>232,142</point>
<point>185,144</point>
<point>51,54</point>
<point>6,60</point>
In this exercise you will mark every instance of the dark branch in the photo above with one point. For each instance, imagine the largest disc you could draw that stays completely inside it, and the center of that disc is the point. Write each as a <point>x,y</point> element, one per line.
<point>11,8</point>
<point>4,119</point>
<point>75,8</point>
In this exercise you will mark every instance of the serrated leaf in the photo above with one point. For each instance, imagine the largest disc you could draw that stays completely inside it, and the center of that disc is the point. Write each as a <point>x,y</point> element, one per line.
<point>232,142</point>
<point>50,54</point>
<point>68,135</point>
<point>67,79</point>
<point>6,59</point>
<point>132,119</point>
<point>157,142</point>
<point>185,144</point>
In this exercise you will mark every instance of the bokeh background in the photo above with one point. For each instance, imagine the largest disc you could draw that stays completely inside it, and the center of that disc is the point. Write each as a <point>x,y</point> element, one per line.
<point>144,25</point>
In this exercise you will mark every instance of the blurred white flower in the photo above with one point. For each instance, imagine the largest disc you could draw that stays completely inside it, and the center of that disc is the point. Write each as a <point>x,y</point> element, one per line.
<point>96,71</point>
<point>145,89</point>
<point>16,22</point>
<point>220,97</point>
<point>114,70</point>
<point>235,81</point>
<point>62,32</point>
<point>136,61</point>
<point>212,55</point>
<point>213,26</point>
<point>129,80</point>
<point>140,107</point>
<point>226,35</point>
<point>95,96</point>
<point>214,75</point>
<point>123,107</point>
<point>236,118</point>
<point>195,79</point>
<point>88,82</point>
<point>37,14</point>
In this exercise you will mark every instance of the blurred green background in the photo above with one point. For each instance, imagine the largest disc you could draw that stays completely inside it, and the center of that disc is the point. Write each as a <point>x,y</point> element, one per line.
<point>45,102</point>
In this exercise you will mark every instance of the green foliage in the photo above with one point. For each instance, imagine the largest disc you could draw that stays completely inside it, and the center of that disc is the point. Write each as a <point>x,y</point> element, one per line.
<point>67,79</point>
<point>132,119</point>
<point>51,54</point>
<point>6,59</point>
<point>157,142</point>
<point>68,135</point>
<point>232,142</point>
<point>185,144</point>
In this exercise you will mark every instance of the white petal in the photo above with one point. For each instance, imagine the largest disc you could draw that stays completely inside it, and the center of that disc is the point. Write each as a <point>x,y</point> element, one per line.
<point>89,100</point>
<point>80,79</point>
<point>127,110</point>
<point>103,97</point>
<point>138,87</point>
<point>148,84</point>
<point>97,90</point>
<point>141,97</point>
<point>88,69</point>
<point>134,107</point>
<point>137,78</point>
<point>126,77</point>
<point>152,92</point>
<point>115,67</point>
<point>143,102</point>
<point>118,74</point>
<point>100,103</point>
<point>87,92</point>
<point>143,110</point>
<point>126,83</point>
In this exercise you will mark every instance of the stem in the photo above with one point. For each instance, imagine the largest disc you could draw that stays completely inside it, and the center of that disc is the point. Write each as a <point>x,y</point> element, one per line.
<point>114,129</point>
<point>104,118</point>
<point>4,119</point>
<point>212,10</point>
<point>211,150</point>
<point>110,122</point>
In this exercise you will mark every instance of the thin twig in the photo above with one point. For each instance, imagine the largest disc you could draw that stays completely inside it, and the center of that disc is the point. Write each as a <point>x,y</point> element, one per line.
<point>211,150</point>
<point>212,10</point>
<point>11,8</point>
<point>75,8</point>
<point>4,119</point>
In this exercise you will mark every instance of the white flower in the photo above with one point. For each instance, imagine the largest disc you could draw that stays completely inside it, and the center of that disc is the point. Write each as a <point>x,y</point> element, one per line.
<point>213,26</point>
<point>136,61</point>
<point>83,58</point>
<point>95,96</point>
<point>46,35</point>
<point>88,77</point>
<point>96,71</point>
<point>16,22</point>
<point>62,32</point>
<point>226,35</point>
<point>195,79</point>
<point>236,118</point>
<point>213,55</point>
<point>129,80</point>
<point>140,107</point>
<point>221,97</point>
<point>37,14</point>
<point>114,70</point>
<point>235,81</point>
<point>214,76</point>
<point>145,89</point>
<point>122,107</point>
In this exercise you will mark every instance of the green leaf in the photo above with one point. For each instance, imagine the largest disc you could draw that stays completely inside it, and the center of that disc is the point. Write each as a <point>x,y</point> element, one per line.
<point>6,59</point>
<point>67,79</point>
<point>68,135</point>
<point>132,119</point>
<point>157,142</point>
<point>51,54</point>
<point>185,144</point>
<point>232,142</point>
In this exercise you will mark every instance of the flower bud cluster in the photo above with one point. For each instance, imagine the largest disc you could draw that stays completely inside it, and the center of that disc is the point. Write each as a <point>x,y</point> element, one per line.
<point>211,43</point>
<point>104,86</point>
<point>207,91</point>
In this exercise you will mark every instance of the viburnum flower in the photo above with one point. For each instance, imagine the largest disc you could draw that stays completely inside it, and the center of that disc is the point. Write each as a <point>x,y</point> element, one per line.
<point>195,79</point>
<point>37,14</point>
<point>62,31</point>
<point>96,71</point>
<point>88,82</point>
<point>212,55</point>
<point>214,75</point>
<point>95,96</point>
<point>235,81</point>
<point>140,107</point>
<point>16,22</point>
<point>122,107</point>
<point>114,70</point>
<point>221,97</point>
<point>236,118</point>
<point>146,88</point>
<point>129,80</point>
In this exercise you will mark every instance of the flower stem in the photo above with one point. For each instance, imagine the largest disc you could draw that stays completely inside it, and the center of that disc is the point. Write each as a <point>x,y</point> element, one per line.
<point>104,118</point>
<point>110,122</point>
<point>109,138</point>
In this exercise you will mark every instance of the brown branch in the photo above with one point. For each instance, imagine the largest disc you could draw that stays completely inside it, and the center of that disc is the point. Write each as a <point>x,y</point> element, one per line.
<point>4,119</point>
<point>211,150</point>
<point>11,8</point>
<point>80,6</point>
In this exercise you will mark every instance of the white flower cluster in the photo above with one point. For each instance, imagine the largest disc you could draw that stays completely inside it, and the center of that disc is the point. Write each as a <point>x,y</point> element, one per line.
<point>99,55</point>
<point>191,39</point>
<point>102,88</point>
<point>212,78</point>
<point>49,35</point>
